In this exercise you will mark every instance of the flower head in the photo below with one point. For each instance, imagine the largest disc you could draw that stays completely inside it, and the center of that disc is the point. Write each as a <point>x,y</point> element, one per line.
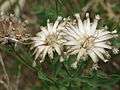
<point>84,39</point>
<point>48,40</point>
<point>12,29</point>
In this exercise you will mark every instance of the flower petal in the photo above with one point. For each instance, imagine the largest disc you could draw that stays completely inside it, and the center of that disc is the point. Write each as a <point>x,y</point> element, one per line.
<point>93,56</point>
<point>103,45</point>
<point>80,24</point>
<point>39,50</point>
<point>56,23</point>
<point>57,48</point>
<point>94,24</point>
<point>103,38</point>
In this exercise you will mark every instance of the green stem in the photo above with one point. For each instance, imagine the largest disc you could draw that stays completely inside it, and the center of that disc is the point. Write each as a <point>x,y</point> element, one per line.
<point>21,59</point>
<point>69,87</point>
<point>23,62</point>
<point>66,69</point>
<point>76,71</point>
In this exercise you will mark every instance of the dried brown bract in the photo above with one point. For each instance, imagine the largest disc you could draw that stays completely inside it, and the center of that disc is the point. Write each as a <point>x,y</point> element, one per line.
<point>11,28</point>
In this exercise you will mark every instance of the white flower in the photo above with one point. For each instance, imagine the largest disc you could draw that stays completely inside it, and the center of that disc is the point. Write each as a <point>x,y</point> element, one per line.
<point>48,40</point>
<point>84,39</point>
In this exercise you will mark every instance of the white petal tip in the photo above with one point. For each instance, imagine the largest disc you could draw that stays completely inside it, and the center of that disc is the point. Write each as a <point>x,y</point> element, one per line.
<point>115,50</point>
<point>87,15</point>
<point>31,48</point>
<point>64,19</point>
<point>26,21</point>
<point>106,27</point>
<point>74,65</point>
<point>106,60</point>
<point>97,17</point>
<point>41,61</point>
<point>115,31</point>
<point>12,15</point>
<point>61,59</point>
<point>35,57</point>
<point>77,15</point>
<point>48,21</point>
<point>59,18</point>
<point>34,64</point>
<point>1,13</point>
<point>95,66</point>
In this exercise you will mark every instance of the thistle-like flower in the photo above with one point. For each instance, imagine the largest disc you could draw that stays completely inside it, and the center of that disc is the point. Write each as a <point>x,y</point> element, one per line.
<point>84,39</point>
<point>48,40</point>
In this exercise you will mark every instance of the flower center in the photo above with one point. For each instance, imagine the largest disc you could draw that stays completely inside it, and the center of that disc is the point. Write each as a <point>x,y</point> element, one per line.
<point>51,39</point>
<point>87,42</point>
